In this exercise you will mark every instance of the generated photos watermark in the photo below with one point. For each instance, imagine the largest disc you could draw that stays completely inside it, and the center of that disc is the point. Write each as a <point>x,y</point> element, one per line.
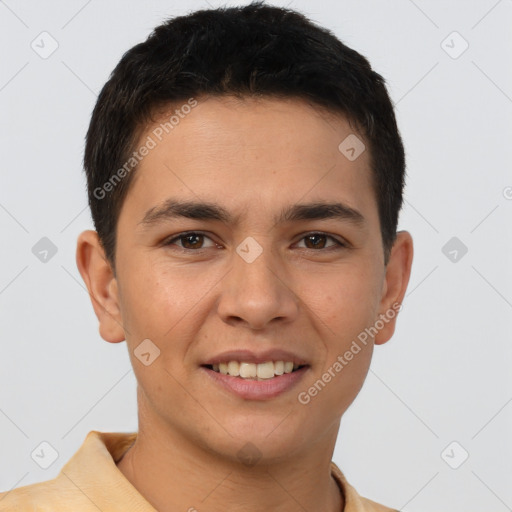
<point>305,397</point>
<point>150,143</point>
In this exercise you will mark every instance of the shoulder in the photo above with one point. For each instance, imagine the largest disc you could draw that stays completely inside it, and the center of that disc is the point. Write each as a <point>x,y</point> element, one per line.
<point>89,481</point>
<point>48,496</point>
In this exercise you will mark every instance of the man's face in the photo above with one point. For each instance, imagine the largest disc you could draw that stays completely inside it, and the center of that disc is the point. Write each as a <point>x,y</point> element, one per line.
<point>261,284</point>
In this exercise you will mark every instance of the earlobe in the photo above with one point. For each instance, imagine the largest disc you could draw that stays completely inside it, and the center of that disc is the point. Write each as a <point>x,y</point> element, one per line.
<point>398,271</point>
<point>101,283</point>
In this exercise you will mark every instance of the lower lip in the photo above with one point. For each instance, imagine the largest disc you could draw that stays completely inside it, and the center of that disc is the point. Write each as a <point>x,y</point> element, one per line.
<point>257,389</point>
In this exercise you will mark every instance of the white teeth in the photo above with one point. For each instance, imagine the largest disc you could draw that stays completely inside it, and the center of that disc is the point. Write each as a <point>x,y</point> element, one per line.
<point>248,370</point>
<point>266,370</point>
<point>234,368</point>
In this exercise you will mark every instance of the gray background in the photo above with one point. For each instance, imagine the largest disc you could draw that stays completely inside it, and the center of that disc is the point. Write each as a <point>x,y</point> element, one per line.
<point>444,377</point>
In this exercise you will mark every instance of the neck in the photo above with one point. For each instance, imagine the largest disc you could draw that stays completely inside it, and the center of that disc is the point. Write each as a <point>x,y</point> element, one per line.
<point>173,473</point>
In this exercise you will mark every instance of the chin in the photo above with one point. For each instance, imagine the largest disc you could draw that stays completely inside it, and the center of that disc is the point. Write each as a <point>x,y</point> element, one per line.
<point>269,439</point>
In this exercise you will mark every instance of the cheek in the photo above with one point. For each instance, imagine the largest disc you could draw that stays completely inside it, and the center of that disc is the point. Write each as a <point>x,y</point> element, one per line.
<point>155,300</point>
<point>346,301</point>
<point>163,307</point>
<point>344,305</point>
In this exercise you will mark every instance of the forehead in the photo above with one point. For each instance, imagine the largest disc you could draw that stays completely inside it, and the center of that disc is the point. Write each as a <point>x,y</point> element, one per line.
<point>251,153</point>
<point>215,123</point>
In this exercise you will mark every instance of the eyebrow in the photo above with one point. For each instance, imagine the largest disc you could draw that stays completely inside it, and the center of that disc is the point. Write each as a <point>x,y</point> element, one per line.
<point>173,209</point>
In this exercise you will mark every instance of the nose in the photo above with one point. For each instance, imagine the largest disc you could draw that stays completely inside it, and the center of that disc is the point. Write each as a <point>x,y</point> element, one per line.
<point>256,294</point>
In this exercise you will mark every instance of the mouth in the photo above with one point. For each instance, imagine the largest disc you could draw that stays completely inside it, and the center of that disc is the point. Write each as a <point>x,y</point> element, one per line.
<point>267,370</point>
<point>253,376</point>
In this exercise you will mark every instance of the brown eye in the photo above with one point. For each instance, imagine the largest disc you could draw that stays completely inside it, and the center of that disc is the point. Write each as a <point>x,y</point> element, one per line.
<point>319,241</point>
<point>315,241</point>
<point>190,241</point>
<point>193,241</point>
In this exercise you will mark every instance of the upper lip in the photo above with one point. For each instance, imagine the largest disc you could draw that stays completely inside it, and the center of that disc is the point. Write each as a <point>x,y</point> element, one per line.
<point>250,356</point>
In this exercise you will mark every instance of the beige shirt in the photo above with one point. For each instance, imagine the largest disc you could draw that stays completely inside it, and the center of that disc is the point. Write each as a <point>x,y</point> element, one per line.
<point>91,482</point>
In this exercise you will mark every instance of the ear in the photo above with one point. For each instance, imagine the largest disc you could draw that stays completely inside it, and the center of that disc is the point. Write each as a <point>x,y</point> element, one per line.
<point>398,271</point>
<point>101,283</point>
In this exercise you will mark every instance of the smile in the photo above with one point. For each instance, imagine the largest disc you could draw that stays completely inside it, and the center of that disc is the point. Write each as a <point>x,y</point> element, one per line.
<point>252,371</point>
<point>256,381</point>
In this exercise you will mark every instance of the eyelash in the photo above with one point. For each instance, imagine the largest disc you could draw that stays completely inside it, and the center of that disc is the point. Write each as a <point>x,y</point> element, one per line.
<point>339,244</point>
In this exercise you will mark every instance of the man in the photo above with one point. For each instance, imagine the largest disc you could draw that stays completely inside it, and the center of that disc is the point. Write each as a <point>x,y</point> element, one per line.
<point>245,176</point>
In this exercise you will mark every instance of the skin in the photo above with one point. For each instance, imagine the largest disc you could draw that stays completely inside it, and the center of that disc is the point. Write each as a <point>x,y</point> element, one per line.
<point>254,158</point>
